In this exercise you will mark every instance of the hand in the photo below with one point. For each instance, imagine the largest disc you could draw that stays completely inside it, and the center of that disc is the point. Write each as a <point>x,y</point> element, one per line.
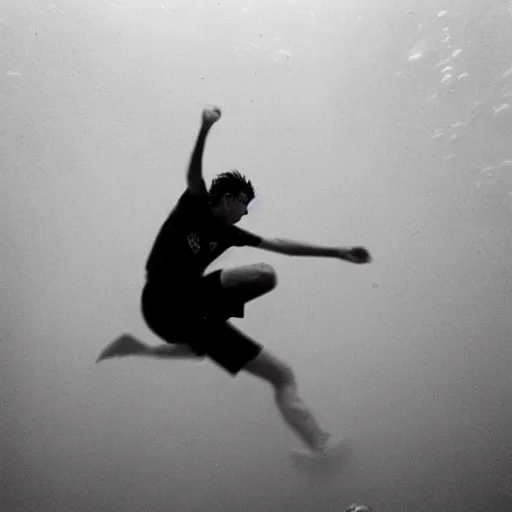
<point>356,255</point>
<point>211,115</point>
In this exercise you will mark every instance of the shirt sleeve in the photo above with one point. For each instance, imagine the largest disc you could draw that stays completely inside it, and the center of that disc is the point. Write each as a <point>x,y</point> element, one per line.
<point>240,237</point>
<point>194,205</point>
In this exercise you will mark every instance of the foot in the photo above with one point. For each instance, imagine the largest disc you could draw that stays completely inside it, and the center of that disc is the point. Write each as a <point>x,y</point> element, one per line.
<point>326,447</point>
<point>211,115</point>
<point>330,444</point>
<point>125,345</point>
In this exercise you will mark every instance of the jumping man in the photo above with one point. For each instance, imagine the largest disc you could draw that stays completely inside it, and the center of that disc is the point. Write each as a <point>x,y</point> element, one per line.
<point>190,310</point>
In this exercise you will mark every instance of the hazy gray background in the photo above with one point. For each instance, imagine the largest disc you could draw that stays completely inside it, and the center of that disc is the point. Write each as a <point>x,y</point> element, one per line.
<point>359,122</point>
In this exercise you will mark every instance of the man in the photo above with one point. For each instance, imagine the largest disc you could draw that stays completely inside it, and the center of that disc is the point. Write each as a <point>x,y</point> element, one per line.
<point>190,310</point>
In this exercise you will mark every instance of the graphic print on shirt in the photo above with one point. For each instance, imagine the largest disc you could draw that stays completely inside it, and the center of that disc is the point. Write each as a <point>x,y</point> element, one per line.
<point>194,242</point>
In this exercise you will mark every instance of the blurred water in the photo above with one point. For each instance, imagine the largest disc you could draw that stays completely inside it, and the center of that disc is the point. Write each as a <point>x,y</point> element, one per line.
<point>386,125</point>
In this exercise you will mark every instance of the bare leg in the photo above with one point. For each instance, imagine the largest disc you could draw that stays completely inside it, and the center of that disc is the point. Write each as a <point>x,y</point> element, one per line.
<point>299,418</point>
<point>293,410</point>
<point>166,351</point>
<point>128,345</point>
<point>302,421</point>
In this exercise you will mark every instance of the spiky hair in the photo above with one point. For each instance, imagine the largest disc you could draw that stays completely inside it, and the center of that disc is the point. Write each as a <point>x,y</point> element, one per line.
<point>232,182</point>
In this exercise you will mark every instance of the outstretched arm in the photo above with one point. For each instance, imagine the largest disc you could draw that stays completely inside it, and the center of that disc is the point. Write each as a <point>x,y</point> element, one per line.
<point>195,181</point>
<point>291,248</point>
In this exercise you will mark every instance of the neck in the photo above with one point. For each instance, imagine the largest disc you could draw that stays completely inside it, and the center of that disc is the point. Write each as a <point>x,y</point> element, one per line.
<point>218,213</point>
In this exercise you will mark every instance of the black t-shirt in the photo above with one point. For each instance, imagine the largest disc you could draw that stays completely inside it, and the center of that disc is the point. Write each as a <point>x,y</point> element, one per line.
<point>190,239</point>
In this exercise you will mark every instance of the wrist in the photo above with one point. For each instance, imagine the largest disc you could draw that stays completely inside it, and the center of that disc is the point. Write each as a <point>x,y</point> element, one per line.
<point>341,252</point>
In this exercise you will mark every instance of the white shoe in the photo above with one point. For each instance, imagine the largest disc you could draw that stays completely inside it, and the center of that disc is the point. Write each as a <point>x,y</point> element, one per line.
<point>125,345</point>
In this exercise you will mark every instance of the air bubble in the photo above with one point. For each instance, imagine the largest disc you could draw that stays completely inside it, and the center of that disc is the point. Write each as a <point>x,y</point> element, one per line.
<point>501,108</point>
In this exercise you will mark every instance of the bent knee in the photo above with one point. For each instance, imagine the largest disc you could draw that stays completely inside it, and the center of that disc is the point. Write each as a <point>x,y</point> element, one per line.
<point>267,275</point>
<point>261,276</point>
<point>286,376</point>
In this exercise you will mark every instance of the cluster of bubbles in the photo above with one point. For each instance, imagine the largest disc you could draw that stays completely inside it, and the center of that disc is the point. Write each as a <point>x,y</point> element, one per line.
<point>490,109</point>
<point>448,63</point>
<point>271,45</point>
<point>491,174</point>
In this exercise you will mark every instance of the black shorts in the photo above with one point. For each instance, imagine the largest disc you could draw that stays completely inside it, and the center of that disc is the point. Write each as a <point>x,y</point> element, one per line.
<point>196,314</point>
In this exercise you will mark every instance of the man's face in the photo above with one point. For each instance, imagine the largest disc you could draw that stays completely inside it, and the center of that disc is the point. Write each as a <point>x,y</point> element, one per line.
<point>236,206</point>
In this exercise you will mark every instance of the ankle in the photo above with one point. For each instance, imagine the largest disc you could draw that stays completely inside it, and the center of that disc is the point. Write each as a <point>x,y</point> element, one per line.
<point>321,442</point>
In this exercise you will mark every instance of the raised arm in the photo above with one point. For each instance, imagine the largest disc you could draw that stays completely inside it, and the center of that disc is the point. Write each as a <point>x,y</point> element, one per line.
<point>195,181</point>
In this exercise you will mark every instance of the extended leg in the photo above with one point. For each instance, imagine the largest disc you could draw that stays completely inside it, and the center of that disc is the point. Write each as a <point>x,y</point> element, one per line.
<point>128,345</point>
<point>295,413</point>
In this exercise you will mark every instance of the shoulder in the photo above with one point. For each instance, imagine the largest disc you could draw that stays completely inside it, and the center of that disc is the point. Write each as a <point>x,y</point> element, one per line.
<point>241,237</point>
<point>195,197</point>
<point>197,188</point>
